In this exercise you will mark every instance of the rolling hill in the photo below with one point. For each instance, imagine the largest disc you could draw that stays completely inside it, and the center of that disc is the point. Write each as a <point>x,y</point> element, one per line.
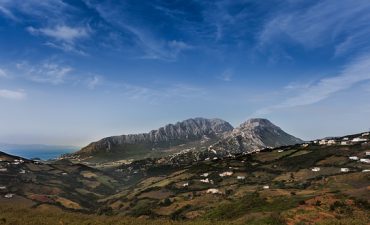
<point>317,182</point>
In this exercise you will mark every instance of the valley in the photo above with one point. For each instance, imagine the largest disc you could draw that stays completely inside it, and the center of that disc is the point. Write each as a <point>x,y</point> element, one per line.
<point>317,182</point>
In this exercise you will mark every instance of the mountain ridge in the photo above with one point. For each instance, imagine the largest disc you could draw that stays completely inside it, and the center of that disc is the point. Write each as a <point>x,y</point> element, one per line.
<point>178,133</point>
<point>195,134</point>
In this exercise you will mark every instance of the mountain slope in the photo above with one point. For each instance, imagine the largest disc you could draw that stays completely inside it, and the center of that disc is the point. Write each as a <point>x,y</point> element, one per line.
<point>253,135</point>
<point>167,137</point>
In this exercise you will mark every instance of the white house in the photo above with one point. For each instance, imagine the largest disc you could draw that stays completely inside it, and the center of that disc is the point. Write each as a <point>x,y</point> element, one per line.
<point>365,160</point>
<point>331,142</point>
<point>280,151</point>
<point>3,169</point>
<point>205,180</point>
<point>9,195</point>
<point>345,139</point>
<point>365,134</point>
<point>358,139</point>
<point>213,191</point>
<point>353,158</point>
<point>22,171</point>
<point>322,142</point>
<point>240,177</point>
<point>305,145</point>
<point>226,174</point>
<point>204,175</point>
<point>365,171</point>
<point>344,170</point>
<point>2,187</point>
<point>344,143</point>
<point>316,169</point>
<point>64,174</point>
<point>367,153</point>
<point>266,187</point>
<point>185,185</point>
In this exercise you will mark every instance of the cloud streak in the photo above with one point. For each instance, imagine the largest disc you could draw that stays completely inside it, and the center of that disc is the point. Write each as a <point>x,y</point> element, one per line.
<point>62,33</point>
<point>3,74</point>
<point>340,23</point>
<point>353,73</point>
<point>46,72</point>
<point>13,95</point>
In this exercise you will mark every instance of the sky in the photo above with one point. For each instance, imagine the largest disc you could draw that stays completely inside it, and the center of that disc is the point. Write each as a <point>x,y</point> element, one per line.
<point>74,71</point>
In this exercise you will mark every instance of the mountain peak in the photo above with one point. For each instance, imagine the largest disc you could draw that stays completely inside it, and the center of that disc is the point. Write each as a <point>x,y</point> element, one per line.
<point>257,122</point>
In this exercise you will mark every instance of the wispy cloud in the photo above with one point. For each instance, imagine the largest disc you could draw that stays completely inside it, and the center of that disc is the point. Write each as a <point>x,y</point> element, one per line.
<point>3,73</point>
<point>7,13</point>
<point>94,81</point>
<point>12,94</point>
<point>15,9</point>
<point>62,33</point>
<point>54,28</point>
<point>227,75</point>
<point>46,72</point>
<point>154,95</point>
<point>340,23</point>
<point>147,42</point>
<point>63,37</point>
<point>353,73</point>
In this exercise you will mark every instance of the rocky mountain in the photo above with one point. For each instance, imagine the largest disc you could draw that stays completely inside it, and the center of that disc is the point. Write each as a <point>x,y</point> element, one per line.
<point>253,135</point>
<point>167,137</point>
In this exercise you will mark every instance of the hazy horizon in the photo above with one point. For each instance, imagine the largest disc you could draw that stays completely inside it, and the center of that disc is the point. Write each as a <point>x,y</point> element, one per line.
<point>99,68</point>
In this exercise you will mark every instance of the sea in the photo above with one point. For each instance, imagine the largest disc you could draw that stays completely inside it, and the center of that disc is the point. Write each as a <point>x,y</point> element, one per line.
<point>39,152</point>
<point>32,154</point>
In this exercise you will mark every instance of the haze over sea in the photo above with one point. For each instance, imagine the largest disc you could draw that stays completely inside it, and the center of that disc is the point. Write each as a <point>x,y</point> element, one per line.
<point>43,152</point>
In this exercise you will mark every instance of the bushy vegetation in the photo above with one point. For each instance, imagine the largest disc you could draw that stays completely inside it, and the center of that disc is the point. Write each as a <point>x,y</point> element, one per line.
<point>252,202</point>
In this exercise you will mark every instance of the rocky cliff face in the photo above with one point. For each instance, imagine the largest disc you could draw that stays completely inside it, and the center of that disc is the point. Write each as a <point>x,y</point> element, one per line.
<point>252,135</point>
<point>187,130</point>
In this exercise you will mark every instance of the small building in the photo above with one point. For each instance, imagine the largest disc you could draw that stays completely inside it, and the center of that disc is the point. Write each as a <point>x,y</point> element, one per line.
<point>365,134</point>
<point>367,153</point>
<point>186,184</point>
<point>240,177</point>
<point>215,158</point>
<point>280,151</point>
<point>365,160</point>
<point>316,169</point>
<point>204,175</point>
<point>2,187</point>
<point>213,191</point>
<point>205,180</point>
<point>322,142</point>
<point>344,170</point>
<point>266,187</point>
<point>345,139</point>
<point>331,142</point>
<point>64,174</point>
<point>9,195</point>
<point>22,171</point>
<point>358,139</point>
<point>305,145</point>
<point>344,143</point>
<point>353,158</point>
<point>3,169</point>
<point>226,174</point>
<point>365,171</point>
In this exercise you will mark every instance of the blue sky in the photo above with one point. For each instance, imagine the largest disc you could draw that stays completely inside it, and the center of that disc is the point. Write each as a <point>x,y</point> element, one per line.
<point>74,71</point>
